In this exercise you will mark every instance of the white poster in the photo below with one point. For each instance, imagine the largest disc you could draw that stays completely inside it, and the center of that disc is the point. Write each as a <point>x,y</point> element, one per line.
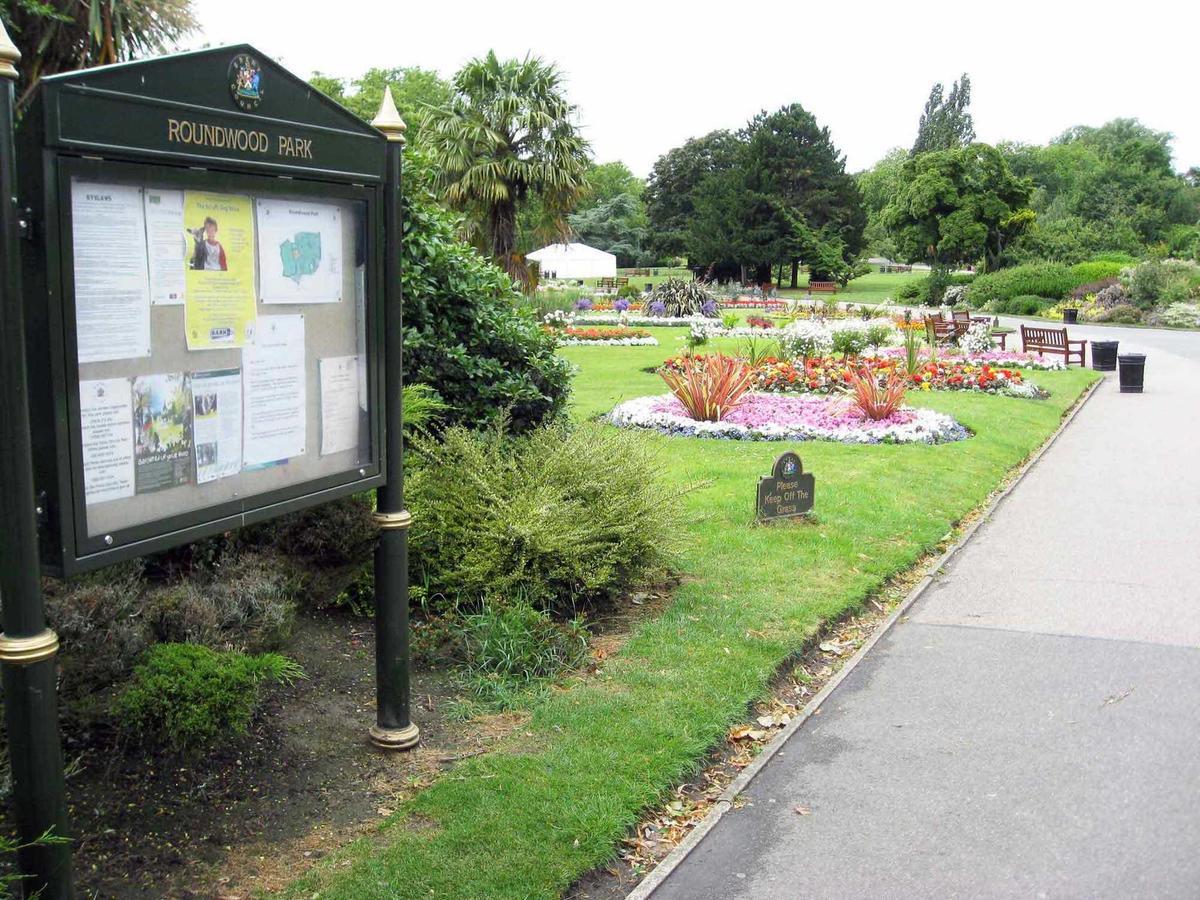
<point>217,423</point>
<point>167,246</point>
<point>299,251</point>
<point>112,285</point>
<point>339,404</point>
<point>273,390</point>
<point>106,427</point>
<point>360,327</point>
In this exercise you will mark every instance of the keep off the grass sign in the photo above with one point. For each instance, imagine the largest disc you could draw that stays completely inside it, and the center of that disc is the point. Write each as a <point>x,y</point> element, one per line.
<point>787,492</point>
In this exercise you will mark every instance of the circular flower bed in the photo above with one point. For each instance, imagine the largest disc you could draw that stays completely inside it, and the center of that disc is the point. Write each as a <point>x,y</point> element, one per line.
<point>775,417</point>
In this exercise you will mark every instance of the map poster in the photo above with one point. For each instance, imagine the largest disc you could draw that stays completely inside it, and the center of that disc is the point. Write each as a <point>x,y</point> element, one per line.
<point>106,426</point>
<point>219,307</point>
<point>162,431</point>
<point>300,251</point>
<point>217,424</point>
<point>167,244</point>
<point>112,286</point>
<point>274,388</point>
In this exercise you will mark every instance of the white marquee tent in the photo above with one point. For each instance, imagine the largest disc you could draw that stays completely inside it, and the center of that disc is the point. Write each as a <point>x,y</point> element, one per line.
<point>574,261</point>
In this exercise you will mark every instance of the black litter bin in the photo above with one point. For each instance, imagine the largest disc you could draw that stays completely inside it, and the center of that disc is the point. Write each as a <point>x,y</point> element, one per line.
<point>1104,356</point>
<point>1133,372</point>
<point>1070,316</point>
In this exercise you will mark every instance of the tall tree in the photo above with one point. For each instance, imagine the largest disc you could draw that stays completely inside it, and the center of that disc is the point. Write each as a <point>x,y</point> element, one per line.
<point>673,182</point>
<point>957,206</point>
<point>945,122</point>
<point>63,35</point>
<point>508,133</point>
<point>415,90</point>
<point>617,225</point>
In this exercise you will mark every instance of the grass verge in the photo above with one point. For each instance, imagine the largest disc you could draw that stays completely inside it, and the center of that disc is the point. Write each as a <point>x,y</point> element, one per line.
<point>526,823</point>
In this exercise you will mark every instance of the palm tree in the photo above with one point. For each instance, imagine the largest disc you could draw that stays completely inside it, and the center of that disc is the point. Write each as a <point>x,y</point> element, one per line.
<point>507,135</point>
<point>62,35</point>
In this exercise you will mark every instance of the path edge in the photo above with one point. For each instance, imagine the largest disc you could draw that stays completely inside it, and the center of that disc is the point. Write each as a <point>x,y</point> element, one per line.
<point>648,885</point>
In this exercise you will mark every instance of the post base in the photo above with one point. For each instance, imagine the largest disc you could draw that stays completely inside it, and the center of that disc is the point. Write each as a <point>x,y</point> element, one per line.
<point>395,738</point>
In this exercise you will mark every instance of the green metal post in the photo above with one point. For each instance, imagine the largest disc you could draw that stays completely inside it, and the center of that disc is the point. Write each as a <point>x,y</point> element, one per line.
<point>27,647</point>
<point>394,728</point>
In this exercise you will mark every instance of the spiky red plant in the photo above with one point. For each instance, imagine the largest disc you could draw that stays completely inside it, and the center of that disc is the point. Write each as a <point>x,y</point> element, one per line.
<point>709,386</point>
<point>876,397</point>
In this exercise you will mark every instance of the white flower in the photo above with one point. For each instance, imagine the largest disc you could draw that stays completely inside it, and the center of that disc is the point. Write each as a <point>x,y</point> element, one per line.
<point>978,338</point>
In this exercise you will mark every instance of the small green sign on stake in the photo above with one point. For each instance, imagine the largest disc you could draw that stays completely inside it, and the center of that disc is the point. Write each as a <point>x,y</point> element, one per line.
<point>787,492</point>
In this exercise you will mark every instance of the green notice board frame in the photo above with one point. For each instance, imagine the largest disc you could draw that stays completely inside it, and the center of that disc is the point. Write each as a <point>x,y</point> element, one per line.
<point>186,123</point>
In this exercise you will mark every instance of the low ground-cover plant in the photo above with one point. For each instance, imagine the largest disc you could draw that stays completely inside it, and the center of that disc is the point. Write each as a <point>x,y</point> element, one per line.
<point>564,516</point>
<point>187,698</point>
<point>708,386</point>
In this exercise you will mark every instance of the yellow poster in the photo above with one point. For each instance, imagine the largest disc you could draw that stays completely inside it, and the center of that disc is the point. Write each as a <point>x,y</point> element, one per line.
<point>219,308</point>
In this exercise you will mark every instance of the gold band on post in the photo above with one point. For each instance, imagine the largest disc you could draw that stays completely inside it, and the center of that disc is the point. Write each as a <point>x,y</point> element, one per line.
<point>395,738</point>
<point>400,519</point>
<point>25,651</point>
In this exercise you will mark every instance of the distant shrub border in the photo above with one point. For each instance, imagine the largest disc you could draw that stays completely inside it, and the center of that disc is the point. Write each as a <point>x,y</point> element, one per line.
<point>772,417</point>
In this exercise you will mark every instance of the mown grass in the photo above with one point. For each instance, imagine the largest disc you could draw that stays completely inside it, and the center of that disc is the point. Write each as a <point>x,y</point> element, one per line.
<point>526,824</point>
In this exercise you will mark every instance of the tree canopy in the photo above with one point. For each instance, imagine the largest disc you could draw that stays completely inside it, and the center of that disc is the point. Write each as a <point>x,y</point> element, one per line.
<point>507,134</point>
<point>415,90</point>
<point>775,193</point>
<point>945,122</point>
<point>56,36</point>
<point>957,206</point>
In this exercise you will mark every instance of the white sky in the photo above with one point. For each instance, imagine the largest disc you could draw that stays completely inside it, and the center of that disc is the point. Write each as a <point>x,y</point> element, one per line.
<point>646,76</point>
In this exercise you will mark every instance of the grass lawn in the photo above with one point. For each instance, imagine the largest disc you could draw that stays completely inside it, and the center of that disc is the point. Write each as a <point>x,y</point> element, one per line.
<point>873,287</point>
<point>526,823</point>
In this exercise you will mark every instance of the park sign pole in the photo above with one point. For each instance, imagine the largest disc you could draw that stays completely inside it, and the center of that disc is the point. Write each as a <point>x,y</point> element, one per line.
<point>393,728</point>
<point>27,647</point>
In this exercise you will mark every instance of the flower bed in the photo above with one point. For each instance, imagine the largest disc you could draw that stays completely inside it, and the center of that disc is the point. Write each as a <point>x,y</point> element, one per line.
<point>771,417</point>
<point>641,321</point>
<point>573,336</point>
<point>1009,359</point>
<point>827,375</point>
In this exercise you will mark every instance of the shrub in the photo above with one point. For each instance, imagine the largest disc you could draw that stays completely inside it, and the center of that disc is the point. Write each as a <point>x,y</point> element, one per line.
<point>1024,305</point>
<point>467,331</point>
<point>189,698</point>
<point>1092,288</point>
<point>629,291</point>
<point>911,290</point>
<point>1096,270</point>
<point>804,339</point>
<point>332,534</point>
<point>849,341</point>
<point>682,298</point>
<point>1121,315</point>
<point>560,516</point>
<point>1113,295</point>
<point>1122,259</point>
<point>708,386</point>
<point>1050,280</point>
<point>878,335</point>
<point>1165,281</point>
<point>1177,315</point>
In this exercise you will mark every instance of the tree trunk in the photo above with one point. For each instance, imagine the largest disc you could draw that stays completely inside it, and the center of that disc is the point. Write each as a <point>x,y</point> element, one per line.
<point>502,231</point>
<point>795,272</point>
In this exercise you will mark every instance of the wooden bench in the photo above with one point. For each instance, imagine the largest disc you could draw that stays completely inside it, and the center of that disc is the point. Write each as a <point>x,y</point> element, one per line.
<point>1052,340</point>
<point>939,331</point>
<point>822,287</point>
<point>611,284</point>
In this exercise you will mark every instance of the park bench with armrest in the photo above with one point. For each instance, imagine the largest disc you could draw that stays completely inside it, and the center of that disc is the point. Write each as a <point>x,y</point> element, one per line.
<point>1052,340</point>
<point>822,287</point>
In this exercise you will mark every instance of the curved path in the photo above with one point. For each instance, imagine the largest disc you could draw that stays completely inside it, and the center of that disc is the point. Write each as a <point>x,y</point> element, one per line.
<point>1031,727</point>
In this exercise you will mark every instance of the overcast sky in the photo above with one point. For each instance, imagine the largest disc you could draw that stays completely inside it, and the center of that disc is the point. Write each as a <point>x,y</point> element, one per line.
<point>646,76</point>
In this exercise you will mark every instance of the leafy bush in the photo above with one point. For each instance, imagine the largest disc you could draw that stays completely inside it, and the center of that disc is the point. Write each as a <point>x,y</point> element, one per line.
<point>1162,282</point>
<point>1092,288</point>
<point>849,341</point>
<point>1121,315</point>
<point>189,698</point>
<point>1024,305</point>
<point>682,298</point>
<point>1050,280</point>
<point>629,291</point>
<point>878,335</point>
<point>708,386</point>
<point>1177,315</point>
<point>559,516</point>
<point>1113,295</point>
<point>467,331</point>
<point>1096,270</point>
<point>921,288</point>
<point>1123,259</point>
<point>332,534</point>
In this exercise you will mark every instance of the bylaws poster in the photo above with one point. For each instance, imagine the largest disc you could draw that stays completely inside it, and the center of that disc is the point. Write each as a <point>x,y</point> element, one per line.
<point>274,390</point>
<point>217,424</point>
<point>219,307</point>
<point>339,404</point>
<point>112,286</point>
<point>162,430</point>
<point>106,426</point>
<point>300,251</point>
